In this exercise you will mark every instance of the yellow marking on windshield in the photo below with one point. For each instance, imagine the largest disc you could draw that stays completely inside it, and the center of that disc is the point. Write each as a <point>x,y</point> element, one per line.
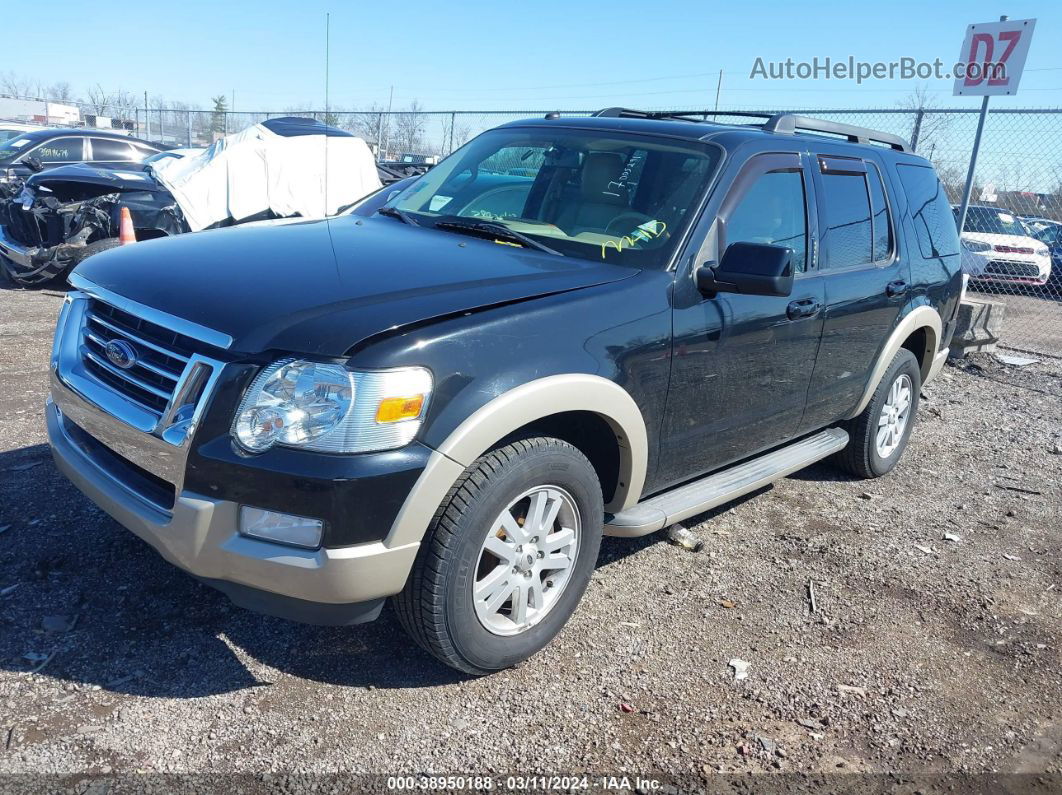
<point>507,243</point>
<point>643,233</point>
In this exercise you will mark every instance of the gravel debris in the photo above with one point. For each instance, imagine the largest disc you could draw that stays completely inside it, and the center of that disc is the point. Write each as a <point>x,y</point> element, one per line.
<point>952,660</point>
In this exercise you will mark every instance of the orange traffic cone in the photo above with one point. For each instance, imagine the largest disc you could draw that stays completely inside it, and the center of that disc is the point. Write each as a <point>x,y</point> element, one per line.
<point>126,235</point>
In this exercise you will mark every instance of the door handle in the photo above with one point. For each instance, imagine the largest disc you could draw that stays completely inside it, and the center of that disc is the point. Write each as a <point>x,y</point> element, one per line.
<point>806,307</point>
<point>898,287</point>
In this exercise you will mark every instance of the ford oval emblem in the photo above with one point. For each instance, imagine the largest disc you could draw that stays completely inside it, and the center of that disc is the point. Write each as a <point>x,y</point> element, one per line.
<point>121,354</point>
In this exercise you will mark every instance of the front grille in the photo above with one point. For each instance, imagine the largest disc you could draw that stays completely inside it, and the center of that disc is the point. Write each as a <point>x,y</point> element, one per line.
<point>23,226</point>
<point>1021,270</point>
<point>161,355</point>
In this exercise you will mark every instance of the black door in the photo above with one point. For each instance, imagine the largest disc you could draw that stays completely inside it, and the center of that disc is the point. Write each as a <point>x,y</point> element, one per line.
<point>741,364</point>
<point>58,151</point>
<point>866,278</point>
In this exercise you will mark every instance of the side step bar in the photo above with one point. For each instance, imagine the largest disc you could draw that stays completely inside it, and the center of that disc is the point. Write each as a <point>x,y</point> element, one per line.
<point>714,490</point>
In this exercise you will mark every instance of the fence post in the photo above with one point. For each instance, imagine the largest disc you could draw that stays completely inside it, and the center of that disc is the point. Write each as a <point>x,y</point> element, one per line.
<point>919,114</point>
<point>189,118</point>
<point>453,121</point>
<point>147,122</point>
<point>162,126</point>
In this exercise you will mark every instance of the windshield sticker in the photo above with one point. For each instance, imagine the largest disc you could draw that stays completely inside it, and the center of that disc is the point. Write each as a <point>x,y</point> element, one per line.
<point>1006,218</point>
<point>438,202</point>
<point>21,143</point>
<point>621,182</point>
<point>650,230</point>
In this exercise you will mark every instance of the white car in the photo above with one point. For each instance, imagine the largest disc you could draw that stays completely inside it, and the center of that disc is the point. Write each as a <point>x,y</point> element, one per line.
<point>13,129</point>
<point>1010,254</point>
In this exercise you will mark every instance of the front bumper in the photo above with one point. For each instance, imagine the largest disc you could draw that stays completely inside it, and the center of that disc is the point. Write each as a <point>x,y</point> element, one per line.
<point>15,251</point>
<point>199,535</point>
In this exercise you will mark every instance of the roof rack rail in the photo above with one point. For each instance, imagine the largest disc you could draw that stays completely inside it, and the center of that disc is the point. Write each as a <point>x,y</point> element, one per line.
<point>630,113</point>
<point>789,123</point>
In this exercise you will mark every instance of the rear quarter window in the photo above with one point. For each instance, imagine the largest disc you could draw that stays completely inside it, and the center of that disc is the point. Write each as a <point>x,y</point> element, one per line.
<point>930,211</point>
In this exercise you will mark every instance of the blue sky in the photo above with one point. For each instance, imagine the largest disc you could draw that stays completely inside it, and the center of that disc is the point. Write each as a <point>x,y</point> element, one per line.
<point>530,55</point>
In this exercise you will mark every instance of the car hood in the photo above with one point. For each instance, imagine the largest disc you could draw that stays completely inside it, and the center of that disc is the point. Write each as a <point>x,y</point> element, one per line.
<point>1015,241</point>
<point>117,180</point>
<point>322,287</point>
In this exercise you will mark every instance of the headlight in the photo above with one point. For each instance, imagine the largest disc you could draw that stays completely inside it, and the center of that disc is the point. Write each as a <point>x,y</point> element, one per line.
<point>975,245</point>
<point>1041,251</point>
<point>329,408</point>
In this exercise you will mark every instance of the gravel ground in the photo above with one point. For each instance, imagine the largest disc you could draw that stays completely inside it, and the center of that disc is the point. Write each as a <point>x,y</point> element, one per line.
<point>934,647</point>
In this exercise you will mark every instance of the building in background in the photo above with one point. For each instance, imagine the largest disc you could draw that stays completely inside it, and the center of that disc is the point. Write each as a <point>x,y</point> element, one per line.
<point>40,111</point>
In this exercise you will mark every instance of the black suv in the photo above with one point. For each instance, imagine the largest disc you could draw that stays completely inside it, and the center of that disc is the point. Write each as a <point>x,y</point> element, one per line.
<point>569,327</point>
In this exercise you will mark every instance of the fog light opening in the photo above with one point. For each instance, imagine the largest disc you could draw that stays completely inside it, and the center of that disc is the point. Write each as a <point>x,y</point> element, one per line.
<point>281,528</point>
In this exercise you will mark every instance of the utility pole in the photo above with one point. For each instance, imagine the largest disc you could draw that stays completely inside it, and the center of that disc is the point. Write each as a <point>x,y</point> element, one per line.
<point>327,118</point>
<point>390,101</point>
<point>718,87</point>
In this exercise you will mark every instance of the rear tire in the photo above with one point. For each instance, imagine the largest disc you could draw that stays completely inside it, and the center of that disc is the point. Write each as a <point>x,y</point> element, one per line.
<point>878,436</point>
<point>447,605</point>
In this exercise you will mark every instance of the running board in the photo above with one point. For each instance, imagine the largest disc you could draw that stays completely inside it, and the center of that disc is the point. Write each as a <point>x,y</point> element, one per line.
<point>721,487</point>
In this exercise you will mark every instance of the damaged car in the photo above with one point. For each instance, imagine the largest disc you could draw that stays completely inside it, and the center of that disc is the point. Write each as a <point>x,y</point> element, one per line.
<point>282,168</point>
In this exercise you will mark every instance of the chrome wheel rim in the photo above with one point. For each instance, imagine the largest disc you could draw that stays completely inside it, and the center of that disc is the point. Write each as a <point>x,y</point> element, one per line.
<point>894,415</point>
<point>526,560</point>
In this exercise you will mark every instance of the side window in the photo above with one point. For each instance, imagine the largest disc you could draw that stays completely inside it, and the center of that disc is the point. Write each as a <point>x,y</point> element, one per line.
<point>882,223</point>
<point>106,150</point>
<point>932,215</point>
<point>773,211</point>
<point>142,152</point>
<point>59,150</point>
<point>847,238</point>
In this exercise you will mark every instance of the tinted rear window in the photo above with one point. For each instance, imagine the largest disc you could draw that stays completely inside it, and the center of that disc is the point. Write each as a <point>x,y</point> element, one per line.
<point>930,211</point>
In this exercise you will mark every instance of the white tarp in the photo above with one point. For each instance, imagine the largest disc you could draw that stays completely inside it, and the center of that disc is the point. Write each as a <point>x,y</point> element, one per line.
<point>256,170</point>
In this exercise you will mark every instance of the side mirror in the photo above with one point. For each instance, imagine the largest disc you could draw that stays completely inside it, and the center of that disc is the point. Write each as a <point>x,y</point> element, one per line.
<point>33,164</point>
<point>749,269</point>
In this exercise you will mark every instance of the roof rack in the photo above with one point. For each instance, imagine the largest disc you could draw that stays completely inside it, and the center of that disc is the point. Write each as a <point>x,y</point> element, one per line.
<point>629,113</point>
<point>789,123</point>
<point>785,123</point>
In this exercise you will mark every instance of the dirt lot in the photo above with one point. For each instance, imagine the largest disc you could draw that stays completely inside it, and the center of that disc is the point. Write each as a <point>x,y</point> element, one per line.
<point>935,646</point>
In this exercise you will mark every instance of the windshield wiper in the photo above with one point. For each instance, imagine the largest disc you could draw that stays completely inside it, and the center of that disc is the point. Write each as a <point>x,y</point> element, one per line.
<point>401,215</point>
<point>497,231</point>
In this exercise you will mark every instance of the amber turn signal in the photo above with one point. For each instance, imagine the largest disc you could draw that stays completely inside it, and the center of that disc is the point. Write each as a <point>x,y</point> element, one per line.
<point>399,408</point>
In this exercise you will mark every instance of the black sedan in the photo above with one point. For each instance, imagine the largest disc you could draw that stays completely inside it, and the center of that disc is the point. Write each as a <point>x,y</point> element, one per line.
<point>35,151</point>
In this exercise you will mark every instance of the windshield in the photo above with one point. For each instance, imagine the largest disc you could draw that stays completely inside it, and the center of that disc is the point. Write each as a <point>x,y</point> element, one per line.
<point>991,221</point>
<point>583,193</point>
<point>13,147</point>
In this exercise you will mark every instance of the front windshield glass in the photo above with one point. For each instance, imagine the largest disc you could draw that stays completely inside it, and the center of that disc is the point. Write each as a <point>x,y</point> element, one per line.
<point>990,221</point>
<point>585,193</point>
<point>13,147</point>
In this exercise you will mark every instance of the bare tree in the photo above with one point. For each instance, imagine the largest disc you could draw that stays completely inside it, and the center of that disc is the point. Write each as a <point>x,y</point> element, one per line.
<point>409,128</point>
<point>455,133</point>
<point>60,92</point>
<point>18,86</point>
<point>928,124</point>
<point>98,99</point>
<point>369,123</point>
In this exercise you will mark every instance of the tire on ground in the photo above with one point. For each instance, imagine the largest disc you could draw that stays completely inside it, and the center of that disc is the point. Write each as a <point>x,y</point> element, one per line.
<point>861,457</point>
<point>54,271</point>
<point>436,606</point>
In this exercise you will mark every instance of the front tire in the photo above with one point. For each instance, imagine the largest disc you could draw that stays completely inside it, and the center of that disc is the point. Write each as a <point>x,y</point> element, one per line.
<point>878,436</point>
<point>507,557</point>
